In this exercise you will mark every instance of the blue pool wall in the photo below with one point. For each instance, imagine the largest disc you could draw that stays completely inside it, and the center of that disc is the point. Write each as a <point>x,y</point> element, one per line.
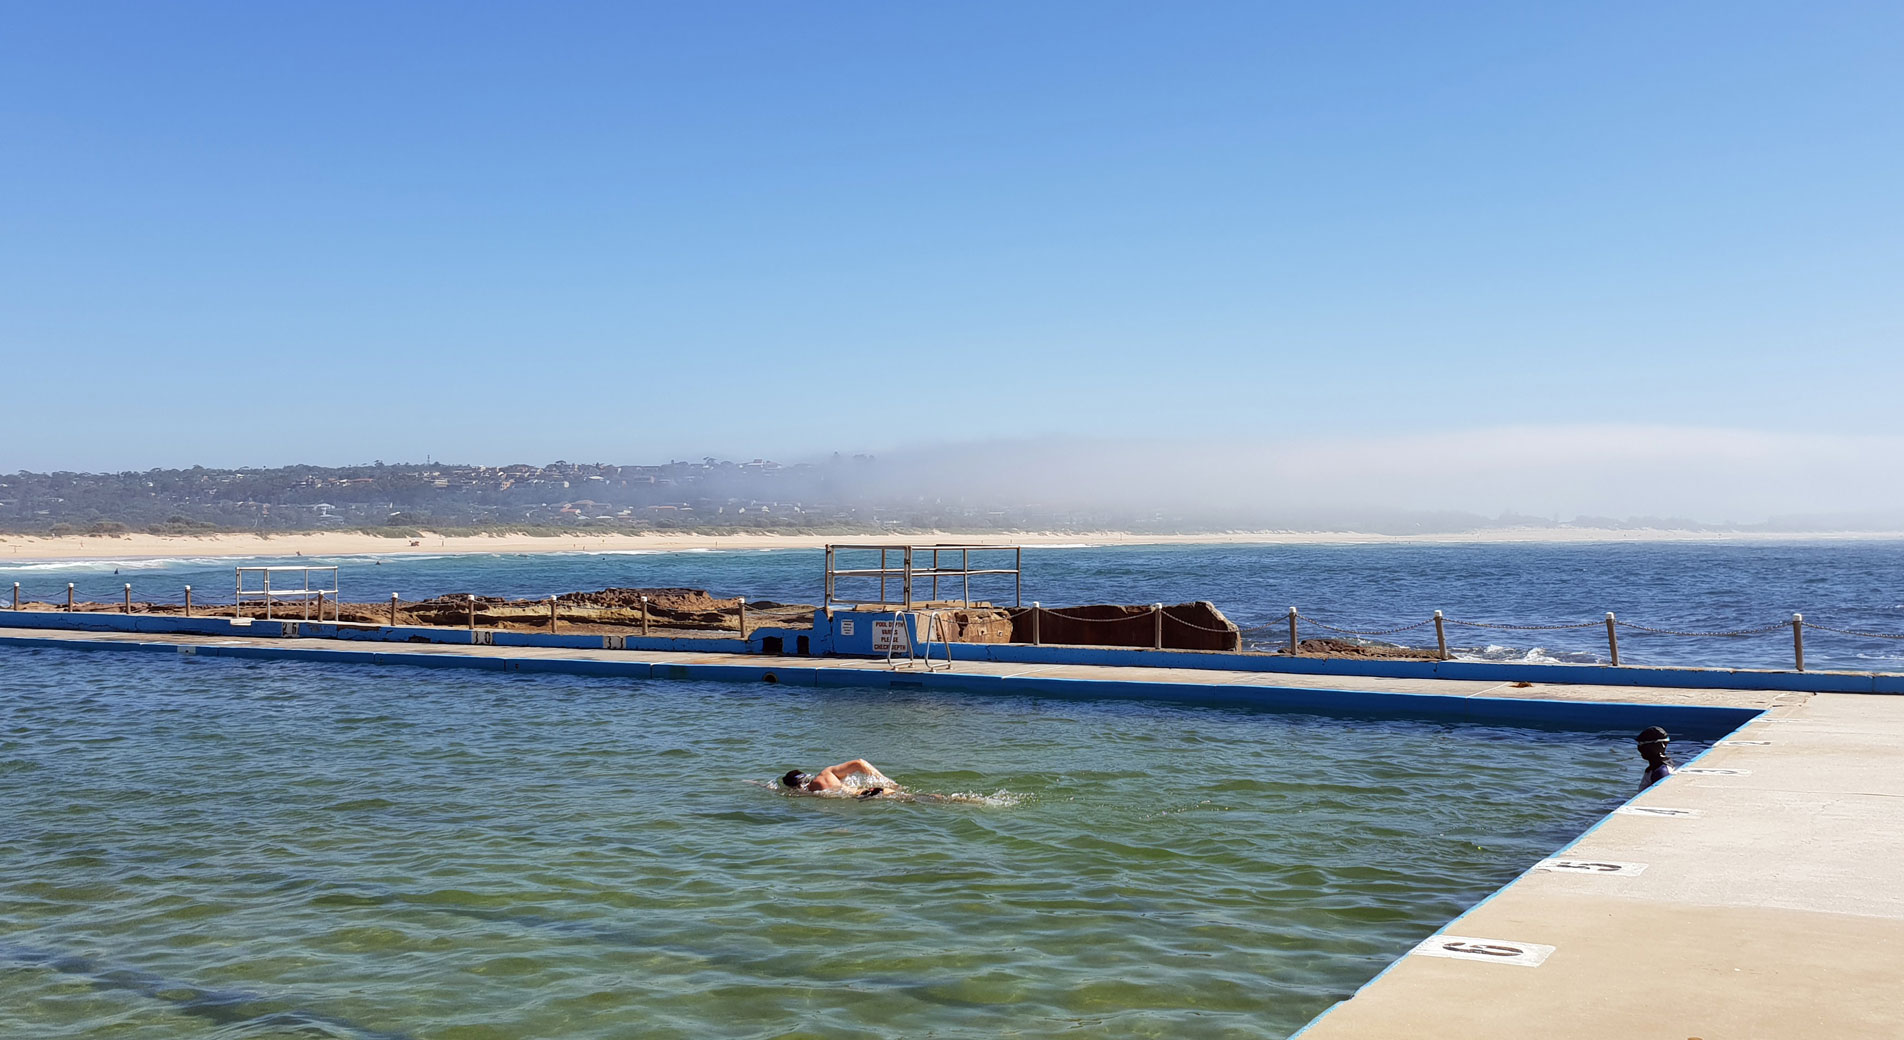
<point>827,637</point>
<point>1693,722</point>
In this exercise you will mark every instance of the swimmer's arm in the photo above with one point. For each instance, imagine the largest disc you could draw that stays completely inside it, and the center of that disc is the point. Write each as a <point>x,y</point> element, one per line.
<point>861,766</point>
<point>857,767</point>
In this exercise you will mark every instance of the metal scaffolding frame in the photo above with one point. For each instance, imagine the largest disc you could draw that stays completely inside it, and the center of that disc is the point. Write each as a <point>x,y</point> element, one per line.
<point>300,591</point>
<point>913,567</point>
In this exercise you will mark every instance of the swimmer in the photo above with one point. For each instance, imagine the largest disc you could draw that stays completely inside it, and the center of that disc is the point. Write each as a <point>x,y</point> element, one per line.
<point>859,778</point>
<point>1652,746</point>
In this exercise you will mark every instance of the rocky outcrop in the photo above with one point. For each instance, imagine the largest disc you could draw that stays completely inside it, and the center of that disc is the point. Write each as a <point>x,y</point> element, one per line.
<point>977,624</point>
<point>1360,651</point>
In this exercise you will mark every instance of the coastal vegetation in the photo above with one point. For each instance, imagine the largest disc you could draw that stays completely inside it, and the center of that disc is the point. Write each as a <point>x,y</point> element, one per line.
<point>841,495</point>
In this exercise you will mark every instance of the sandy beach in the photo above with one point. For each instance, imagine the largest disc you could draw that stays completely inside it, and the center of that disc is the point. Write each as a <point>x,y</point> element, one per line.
<point>340,543</point>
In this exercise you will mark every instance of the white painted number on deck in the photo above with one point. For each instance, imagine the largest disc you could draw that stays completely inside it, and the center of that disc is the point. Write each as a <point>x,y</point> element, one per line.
<point>1495,951</point>
<point>1654,810</point>
<point>1716,772</point>
<point>1589,866</point>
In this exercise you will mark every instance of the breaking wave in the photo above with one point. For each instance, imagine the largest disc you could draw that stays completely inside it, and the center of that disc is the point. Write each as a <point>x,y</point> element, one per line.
<point>1530,655</point>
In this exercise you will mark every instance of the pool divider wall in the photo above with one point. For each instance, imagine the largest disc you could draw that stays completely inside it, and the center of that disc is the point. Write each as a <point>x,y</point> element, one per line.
<point>850,633</point>
<point>1693,721</point>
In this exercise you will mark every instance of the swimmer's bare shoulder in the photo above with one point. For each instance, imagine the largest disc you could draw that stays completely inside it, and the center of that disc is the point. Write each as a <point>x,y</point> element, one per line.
<point>857,778</point>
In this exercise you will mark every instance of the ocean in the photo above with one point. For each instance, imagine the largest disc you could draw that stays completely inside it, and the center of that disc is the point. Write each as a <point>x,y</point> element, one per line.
<point>1855,586</point>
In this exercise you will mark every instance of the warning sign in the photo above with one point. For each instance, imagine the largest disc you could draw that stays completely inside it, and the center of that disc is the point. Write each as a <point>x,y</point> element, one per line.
<point>891,635</point>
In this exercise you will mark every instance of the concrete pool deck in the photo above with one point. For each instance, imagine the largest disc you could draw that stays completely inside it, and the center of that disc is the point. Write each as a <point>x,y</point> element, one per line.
<point>1761,896</point>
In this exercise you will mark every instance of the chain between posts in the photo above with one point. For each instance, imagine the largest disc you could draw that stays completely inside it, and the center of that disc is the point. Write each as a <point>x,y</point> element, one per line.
<point>1522,628</point>
<point>1759,631</point>
<point>1358,632</point>
<point>1192,624</point>
<point>1049,612</point>
<point>1845,631</point>
<point>1095,620</point>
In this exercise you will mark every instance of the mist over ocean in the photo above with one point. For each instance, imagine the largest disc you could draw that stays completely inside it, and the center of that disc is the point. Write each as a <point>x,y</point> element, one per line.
<point>1703,587</point>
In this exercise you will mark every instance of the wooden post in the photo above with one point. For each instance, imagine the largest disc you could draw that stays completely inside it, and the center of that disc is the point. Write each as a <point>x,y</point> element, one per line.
<point>1157,630</point>
<point>1798,641</point>
<point>393,610</point>
<point>472,612</point>
<point>1441,636</point>
<point>1035,611</point>
<point>16,595</point>
<point>743,617</point>
<point>551,613</point>
<point>320,604</point>
<point>644,615</point>
<point>1293,644</point>
<point>69,597</point>
<point>1612,640</point>
<point>188,601</point>
<point>128,597</point>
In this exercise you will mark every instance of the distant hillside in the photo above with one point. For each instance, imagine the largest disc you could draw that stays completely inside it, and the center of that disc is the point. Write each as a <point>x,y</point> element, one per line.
<point>841,494</point>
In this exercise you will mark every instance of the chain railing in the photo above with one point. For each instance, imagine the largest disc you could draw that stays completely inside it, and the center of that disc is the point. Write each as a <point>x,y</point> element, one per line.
<point>1373,633</point>
<point>1289,628</point>
<point>1853,632</point>
<point>1291,625</point>
<point>1522,628</point>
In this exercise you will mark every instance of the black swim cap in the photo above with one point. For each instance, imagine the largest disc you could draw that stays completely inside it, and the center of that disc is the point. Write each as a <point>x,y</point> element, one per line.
<point>794,778</point>
<point>1652,735</point>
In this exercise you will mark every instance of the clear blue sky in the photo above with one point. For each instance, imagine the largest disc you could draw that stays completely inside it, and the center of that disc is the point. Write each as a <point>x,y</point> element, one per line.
<point>624,232</point>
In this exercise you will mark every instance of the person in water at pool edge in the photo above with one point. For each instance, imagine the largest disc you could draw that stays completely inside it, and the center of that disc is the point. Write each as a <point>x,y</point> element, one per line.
<point>835,780</point>
<point>1652,745</point>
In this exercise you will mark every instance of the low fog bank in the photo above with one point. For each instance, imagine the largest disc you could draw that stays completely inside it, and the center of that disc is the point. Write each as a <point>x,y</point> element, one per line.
<point>1616,477</point>
<point>1606,477</point>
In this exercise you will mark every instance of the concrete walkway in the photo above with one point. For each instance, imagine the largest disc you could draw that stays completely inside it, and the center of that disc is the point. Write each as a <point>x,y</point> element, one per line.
<point>1759,896</point>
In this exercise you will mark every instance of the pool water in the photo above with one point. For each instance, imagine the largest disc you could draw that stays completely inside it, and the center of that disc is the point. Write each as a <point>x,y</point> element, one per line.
<point>217,847</point>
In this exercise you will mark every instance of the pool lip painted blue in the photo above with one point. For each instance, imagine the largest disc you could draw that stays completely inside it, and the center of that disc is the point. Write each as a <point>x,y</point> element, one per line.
<point>824,642</point>
<point>1696,721</point>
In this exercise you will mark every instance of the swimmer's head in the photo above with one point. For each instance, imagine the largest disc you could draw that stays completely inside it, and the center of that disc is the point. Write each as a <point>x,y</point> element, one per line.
<point>1652,742</point>
<point>794,778</point>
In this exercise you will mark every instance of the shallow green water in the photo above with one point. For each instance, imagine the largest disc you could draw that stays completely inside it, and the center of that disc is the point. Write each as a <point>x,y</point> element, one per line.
<point>210,847</point>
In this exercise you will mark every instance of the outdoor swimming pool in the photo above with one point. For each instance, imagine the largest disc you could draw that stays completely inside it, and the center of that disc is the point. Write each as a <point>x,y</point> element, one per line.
<point>193,846</point>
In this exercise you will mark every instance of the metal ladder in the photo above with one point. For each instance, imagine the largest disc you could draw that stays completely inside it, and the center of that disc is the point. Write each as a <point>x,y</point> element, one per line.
<point>919,651</point>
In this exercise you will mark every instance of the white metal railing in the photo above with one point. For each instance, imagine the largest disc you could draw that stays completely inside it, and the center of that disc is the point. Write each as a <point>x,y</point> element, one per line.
<point>920,568</point>
<point>296,589</point>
